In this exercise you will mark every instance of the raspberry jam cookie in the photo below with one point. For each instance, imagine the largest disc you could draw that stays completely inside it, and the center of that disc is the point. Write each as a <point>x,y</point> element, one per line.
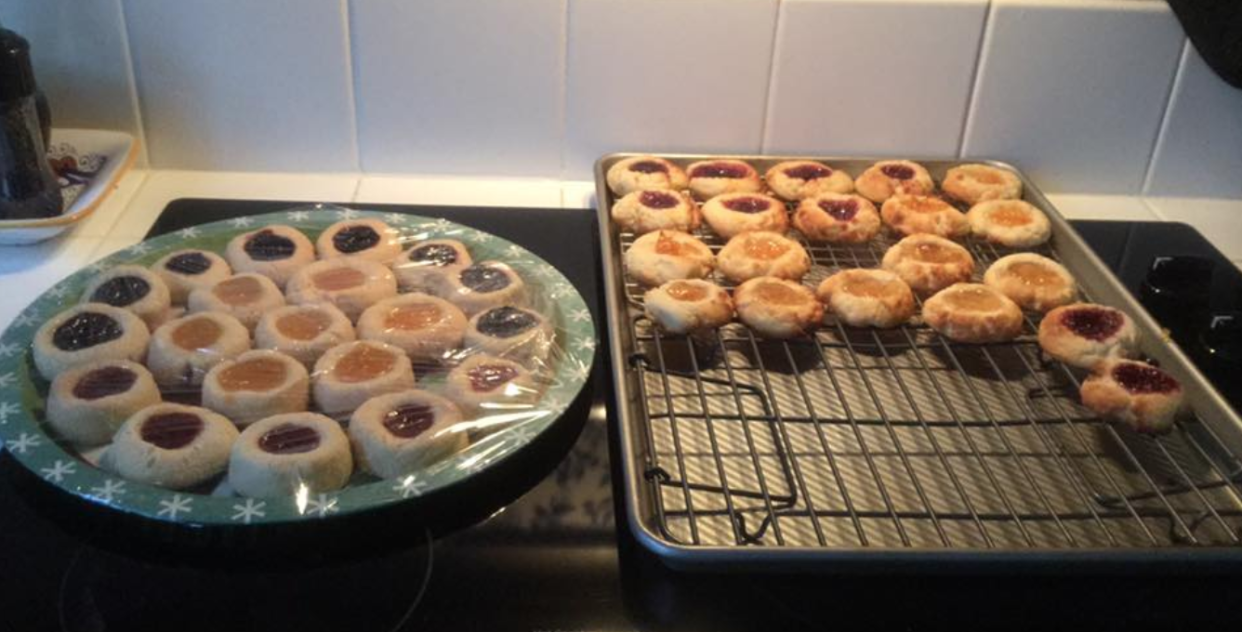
<point>1085,335</point>
<point>867,298</point>
<point>795,180</point>
<point>971,312</point>
<point>682,307</point>
<point>979,183</point>
<point>521,335</point>
<point>710,178</point>
<point>776,308</point>
<point>887,178</point>
<point>184,271</point>
<point>1032,281</point>
<point>645,172</point>
<point>88,333</point>
<point>484,385</point>
<point>641,212</point>
<point>483,286</point>
<point>1011,223</point>
<point>360,238</point>
<point>923,214</point>
<point>663,256</point>
<point>732,214</point>
<point>171,446</point>
<point>245,296</point>
<point>1139,395</point>
<point>399,433</point>
<point>185,349</point>
<point>837,218</point>
<point>427,266</point>
<point>294,453</point>
<point>275,251</point>
<point>757,254</point>
<point>132,288</point>
<point>928,263</point>
<point>88,403</point>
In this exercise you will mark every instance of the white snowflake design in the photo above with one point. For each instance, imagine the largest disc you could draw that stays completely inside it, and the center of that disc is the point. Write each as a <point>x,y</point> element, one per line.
<point>96,268</point>
<point>409,486</point>
<point>58,292</point>
<point>580,371</point>
<point>580,316</point>
<point>59,470</point>
<point>587,343</point>
<point>482,237</point>
<point>547,272</point>
<point>441,225</point>
<point>26,319</point>
<point>24,442</point>
<point>188,232</point>
<point>347,213</point>
<point>9,350</point>
<point>175,505</point>
<point>322,505</point>
<point>240,222</point>
<point>514,251</point>
<point>396,218</point>
<point>561,290</point>
<point>298,216</point>
<point>138,249</point>
<point>521,435</point>
<point>6,409</point>
<point>110,489</point>
<point>8,379</point>
<point>553,403</point>
<point>250,510</point>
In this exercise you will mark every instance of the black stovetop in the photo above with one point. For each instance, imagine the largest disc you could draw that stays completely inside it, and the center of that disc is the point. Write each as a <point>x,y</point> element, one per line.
<point>558,557</point>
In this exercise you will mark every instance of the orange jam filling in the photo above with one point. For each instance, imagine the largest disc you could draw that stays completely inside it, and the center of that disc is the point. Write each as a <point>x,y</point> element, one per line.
<point>764,247</point>
<point>973,299</point>
<point>924,204</point>
<point>865,286</point>
<point>1035,274</point>
<point>305,325</point>
<point>198,333</point>
<point>413,317</point>
<point>935,253</point>
<point>684,291</point>
<point>363,363</point>
<point>669,245</point>
<point>260,374</point>
<point>238,290</point>
<point>984,176</point>
<point>1010,215</point>
<point>338,279</point>
<point>780,294</point>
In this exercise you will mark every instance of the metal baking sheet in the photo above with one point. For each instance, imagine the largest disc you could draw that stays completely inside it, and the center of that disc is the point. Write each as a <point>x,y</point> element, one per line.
<point>867,450</point>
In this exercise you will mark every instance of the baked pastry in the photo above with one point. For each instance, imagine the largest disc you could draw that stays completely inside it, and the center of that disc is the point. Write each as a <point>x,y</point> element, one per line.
<point>400,433</point>
<point>184,271</point>
<point>928,263</point>
<point>644,172</point>
<point>979,183</point>
<point>795,180</point>
<point>245,296</point>
<point>1137,394</point>
<point>133,288</point>
<point>256,384</point>
<point>427,266</point>
<point>184,350</point>
<point>484,385</point>
<point>294,453</point>
<point>1084,334</point>
<point>972,312</point>
<point>361,239</point>
<point>666,255</point>
<point>710,178</point>
<point>303,332</point>
<point>1011,223</point>
<point>837,218</point>
<point>427,328</point>
<point>682,307</point>
<point>914,214</point>
<point>348,375</point>
<point>521,335</point>
<point>1032,281</point>
<point>756,254</point>
<point>732,214</point>
<point>88,333</point>
<point>776,308</point>
<point>352,284</point>
<point>867,298</point>
<point>644,211</point>
<point>275,251</point>
<point>887,178</point>
<point>87,403</point>
<point>170,445</point>
<point>484,286</point>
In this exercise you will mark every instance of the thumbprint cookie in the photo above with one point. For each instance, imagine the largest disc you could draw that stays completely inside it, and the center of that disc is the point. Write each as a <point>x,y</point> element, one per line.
<point>776,308</point>
<point>351,284</point>
<point>1032,281</point>
<point>645,172</point>
<point>732,214</point>
<point>172,446</point>
<point>710,178</point>
<point>399,433</point>
<point>87,403</point>
<point>666,255</point>
<point>867,298</point>
<point>795,180</point>
<point>348,375</point>
<point>928,263</point>
<point>184,271</point>
<point>185,349</point>
<point>837,218</point>
<point>427,266</point>
<point>303,332</point>
<point>972,312</point>
<point>360,239</point>
<point>1011,223</point>
<point>256,384</point>
<point>483,286</point>
<point>1084,334</point>
<point>682,307</point>
<point>522,335</point>
<point>245,296</point>
<point>276,252</point>
<point>916,214</point>
<point>429,329</point>
<point>979,183</point>
<point>1139,395</point>
<point>290,454</point>
<point>132,288</point>
<point>757,254</point>
<point>644,211</point>
<point>88,333</point>
<point>887,178</point>
<point>484,385</point>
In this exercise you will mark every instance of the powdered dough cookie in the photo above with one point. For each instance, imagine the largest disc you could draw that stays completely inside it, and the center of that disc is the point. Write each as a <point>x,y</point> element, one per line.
<point>795,180</point>
<point>972,312</point>
<point>659,257</point>
<point>245,296</point>
<point>427,328</point>
<point>710,178</point>
<point>979,183</point>
<point>887,178</point>
<point>757,254</point>
<point>401,433</point>
<point>1032,281</point>
<point>428,265</point>
<point>172,446</point>
<point>87,403</point>
<point>351,284</point>
<point>914,214</point>
<point>837,218</point>
<point>256,384</point>
<point>133,288</point>
<point>867,298</point>
<point>645,172</point>
<point>1011,223</point>
<point>521,335</point>
<point>184,271</point>
<point>484,385</point>
<point>184,350</point>
<point>732,214</point>
<point>1136,394</point>
<point>350,374</point>
<point>276,252</point>
<point>360,239</point>
<point>295,453</point>
<point>928,263</point>
<point>303,332</point>
<point>681,307</point>
<point>644,211</point>
<point>1085,335</point>
<point>88,333</point>
<point>484,286</point>
<point>776,308</point>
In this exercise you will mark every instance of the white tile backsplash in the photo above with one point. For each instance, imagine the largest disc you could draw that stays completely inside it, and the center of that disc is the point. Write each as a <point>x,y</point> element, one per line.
<point>864,77</point>
<point>1074,92</point>
<point>1217,219</point>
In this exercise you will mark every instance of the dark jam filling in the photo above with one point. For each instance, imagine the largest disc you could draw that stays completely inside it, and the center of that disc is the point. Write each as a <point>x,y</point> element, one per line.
<point>171,430</point>
<point>657,199</point>
<point>289,439</point>
<point>266,245</point>
<point>490,377</point>
<point>649,166</point>
<point>353,239</point>
<point>747,204</point>
<point>410,420</point>
<point>841,210</point>
<point>506,322</point>
<point>808,172</point>
<point>898,172</point>
<point>484,279</point>
<point>121,291</point>
<point>434,254</point>
<point>86,330</point>
<point>1093,323</point>
<point>190,263</point>
<point>720,170</point>
<point>110,380</point>
<point>1141,379</point>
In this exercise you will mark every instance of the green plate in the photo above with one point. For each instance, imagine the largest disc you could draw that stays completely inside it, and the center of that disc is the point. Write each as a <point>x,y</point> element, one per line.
<point>32,443</point>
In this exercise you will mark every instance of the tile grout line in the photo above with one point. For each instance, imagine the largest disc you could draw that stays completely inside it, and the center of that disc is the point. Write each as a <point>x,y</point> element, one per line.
<point>564,100</point>
<point>771,92</point>
<point>144,154</point>
<point>351,78</point>
<point>1157,143</point>
<point>1154,209</point>
<point>985,38</point>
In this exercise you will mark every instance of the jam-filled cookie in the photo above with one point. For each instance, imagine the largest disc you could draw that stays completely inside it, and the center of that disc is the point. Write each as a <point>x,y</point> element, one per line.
<point>837,218</point>
<point>484,385</point>
<point>972,312</point>
<point>483,286</point>
<point>887,178</point>
<point>928,263</point>
<point>682,307</point>
<point>256,384</point>
<point>644,211</point>
<point>88,333</point>
<point>979,183</point>
<point>732,214</point>
<point>276,252</point>
<point>662,256</point>
<point>429,329</point>
<point>303,332</point>
<point>1011,223</point>
<point>132,288</point>
<point>245,296</point>
<point>776,308</point>
<point>184,271</point>
<point>360,238</point>
<point>522,335</point>
<point>710,178</point>
<point>1139,395</point>
<point>399,433</point>
<point>349,374</point>
<point>1084,334</point>
<point>795,180</point>
<point>757,254</point>
<point>351,284</point>
<point>645,172</point>
<point>87,403</point>
<point>867,298</point>
<point>184,350</point>
<point>288,454</point>
<point>428,265</point>
<point>172,446</point>
<point>1032,281</point>
<point>917,214</point>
